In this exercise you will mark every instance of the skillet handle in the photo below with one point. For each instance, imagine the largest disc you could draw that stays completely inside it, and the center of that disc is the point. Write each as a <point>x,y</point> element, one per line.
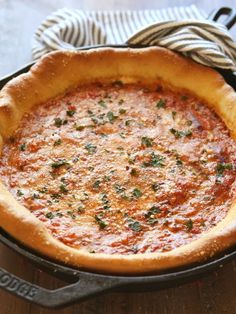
<point>230,14</point>
<point>86,287</point>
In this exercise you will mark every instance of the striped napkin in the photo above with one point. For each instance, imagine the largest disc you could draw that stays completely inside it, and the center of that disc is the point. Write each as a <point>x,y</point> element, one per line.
<point>183,29</point>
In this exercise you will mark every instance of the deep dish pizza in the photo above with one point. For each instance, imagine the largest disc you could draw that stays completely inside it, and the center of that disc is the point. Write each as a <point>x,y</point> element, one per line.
<point>119,160</point>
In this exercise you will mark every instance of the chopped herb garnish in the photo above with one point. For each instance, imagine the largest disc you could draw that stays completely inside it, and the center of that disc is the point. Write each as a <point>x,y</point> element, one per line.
<point>19,193</point>
<point>43,190</point>
<point>222,166</point>
<point>102,103</point>
<point>122,111</point>
<point>137,193</point>
<point>95,121</point>
<point>152,211</point>
<point>184,97</point>
<point>107,178</point>
<point>135,226</point>
<point>189,224</point>
<point>103,135</point>
<point>121,101</point>
<point>161,103</point>
<point>91,148</point>
<point>102,224</point>
<point>22,147</point>
<point>81,210</point>
<point>146,141</point>
<point>119,189</point>
<point>128,122</point>
<point>179,162</point>
<point>96,184</point>
<point>155,187</point>
<point>55,196</point>
<point>59,122</point>
<point>105,201</point>
<point>79,127</point>
<point>70,113</point>
<point>174,113</point>
<point>189,122</point>
<point>134,172</point>
<point>152,221</point>
<point>59,163</point>
<point>120,148</point>
<point>49,215</point>
<point>111,117</point>
<point>155,161</point>
<point>57,142</point>
<point>63,188</point>
<point>179,134</point>
<point>35,196</point>
<point>71,214</point>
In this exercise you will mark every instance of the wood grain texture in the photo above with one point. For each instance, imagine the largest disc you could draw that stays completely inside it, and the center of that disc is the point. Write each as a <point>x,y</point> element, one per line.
<point>215,294</point>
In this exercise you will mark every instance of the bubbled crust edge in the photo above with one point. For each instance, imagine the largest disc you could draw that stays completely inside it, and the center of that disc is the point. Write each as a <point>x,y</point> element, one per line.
<point>60,71</point>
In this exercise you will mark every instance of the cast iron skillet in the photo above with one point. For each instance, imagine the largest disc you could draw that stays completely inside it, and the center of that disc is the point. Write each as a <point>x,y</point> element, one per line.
<point>84,285</point>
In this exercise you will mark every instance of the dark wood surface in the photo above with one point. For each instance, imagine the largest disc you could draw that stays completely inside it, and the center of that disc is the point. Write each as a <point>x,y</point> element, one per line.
<point>215,294</point>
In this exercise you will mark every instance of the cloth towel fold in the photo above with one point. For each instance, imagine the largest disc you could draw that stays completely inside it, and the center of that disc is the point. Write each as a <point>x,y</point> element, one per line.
<point>183,29</point>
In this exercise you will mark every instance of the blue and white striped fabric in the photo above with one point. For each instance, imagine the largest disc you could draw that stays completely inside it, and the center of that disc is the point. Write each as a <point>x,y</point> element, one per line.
<point>183,29</point>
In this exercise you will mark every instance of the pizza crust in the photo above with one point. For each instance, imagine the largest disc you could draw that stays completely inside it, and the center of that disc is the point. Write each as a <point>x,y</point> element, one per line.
<point>61,71</point>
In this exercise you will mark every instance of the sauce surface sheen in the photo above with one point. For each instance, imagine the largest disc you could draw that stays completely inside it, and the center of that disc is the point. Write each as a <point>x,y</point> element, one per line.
<point>122,168</point>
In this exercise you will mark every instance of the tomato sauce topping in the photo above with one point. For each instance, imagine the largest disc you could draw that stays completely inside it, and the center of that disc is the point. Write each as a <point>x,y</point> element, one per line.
<point>122,168</point>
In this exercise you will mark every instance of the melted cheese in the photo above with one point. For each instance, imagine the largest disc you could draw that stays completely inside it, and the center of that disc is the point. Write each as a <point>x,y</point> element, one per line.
<point>122,168</point>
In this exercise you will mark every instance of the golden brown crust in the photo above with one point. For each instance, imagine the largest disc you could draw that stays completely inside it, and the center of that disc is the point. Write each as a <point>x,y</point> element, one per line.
<point>60,71</point>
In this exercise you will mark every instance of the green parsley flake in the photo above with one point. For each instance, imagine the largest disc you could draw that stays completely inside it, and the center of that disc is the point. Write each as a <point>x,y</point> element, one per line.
<point>105,201</point>
<point>91,148</point>
<point>22,147</point>
<point>111,117</point>
<point>179,134</point>
<point>137,193</point>
<point>146,141</point>
<point>59,122</point>
<point>152,211</point>
<point>59,163</point>
<point>128,122</point>
<point>155,161</point>
<point>57,142</point>
<point>49,215</point>
<point>161,103</point>
<point>119,189</point>
<point>79,127</point>
<point>63,188</point>
<point>102,224</point>
<point>96,184</point>
<point>70,113</point>
<point>222,166</point>
<point>189,224</point>
<point>35,196</point>
<point>134,172</point>
<point>102,103</point>
<point>174,113</point>
<point>122,111</point>
<point>135,226</point>
<point>155,186</point>
<point>43,190</point>
<point>19,193</point>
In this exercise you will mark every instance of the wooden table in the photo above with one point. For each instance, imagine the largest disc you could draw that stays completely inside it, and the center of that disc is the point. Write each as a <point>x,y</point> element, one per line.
<point>215,294</point>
